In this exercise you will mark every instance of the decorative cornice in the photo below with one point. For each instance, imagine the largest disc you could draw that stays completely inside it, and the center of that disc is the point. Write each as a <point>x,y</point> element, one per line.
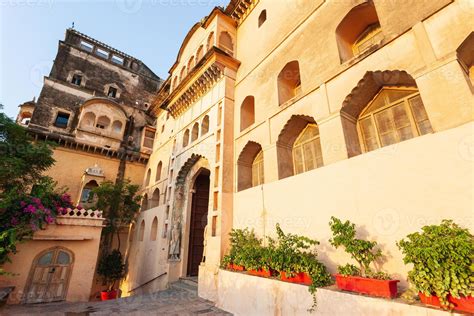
<point>240,9</point>
<point>197,83</point>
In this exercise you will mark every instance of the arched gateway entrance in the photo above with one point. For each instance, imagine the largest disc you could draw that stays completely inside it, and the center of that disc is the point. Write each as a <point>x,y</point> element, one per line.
<point>198,221</point>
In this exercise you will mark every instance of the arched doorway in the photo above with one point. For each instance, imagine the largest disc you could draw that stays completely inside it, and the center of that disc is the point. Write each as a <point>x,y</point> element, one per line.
<point>198,222</point>
<point>49,276</point>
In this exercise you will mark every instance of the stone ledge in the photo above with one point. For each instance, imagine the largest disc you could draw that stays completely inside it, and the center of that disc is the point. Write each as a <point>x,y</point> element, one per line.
<point>264,296</point>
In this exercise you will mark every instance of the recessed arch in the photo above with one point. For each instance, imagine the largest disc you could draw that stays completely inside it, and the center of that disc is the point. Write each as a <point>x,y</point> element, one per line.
<point>358,31</point>
<point>117,127</point>
<point>154,229</point>
<point>148,178</point>
<point>145,205</point>
<point>226,43</point>
<point>88,120</point>
<point>205,125</point>
<point>158,171</point>
<point>191,64</point>
<point>249,173</point>
<point>361,95</point>
<point>103,122</point>
<point>210,41</point>
<point>199,53</point>
<point>195,132</point>
<point>289,82</point>
<point>247,112</point>
<point>155,198</point>
<point>186,138</point>
<point>286,141</point>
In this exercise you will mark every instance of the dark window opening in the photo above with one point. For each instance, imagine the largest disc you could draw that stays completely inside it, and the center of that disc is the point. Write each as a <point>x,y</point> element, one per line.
<point>76,79</point>
<point>112,92</point>
<point>262,18</point>
<point>61,120</point>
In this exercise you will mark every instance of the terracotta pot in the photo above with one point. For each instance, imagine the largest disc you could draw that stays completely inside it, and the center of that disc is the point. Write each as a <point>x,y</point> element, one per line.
<point>299,278</point>
<point>108,295</point>
<point>372,287</point>
<point>261,273</point>
<point>465,304</point>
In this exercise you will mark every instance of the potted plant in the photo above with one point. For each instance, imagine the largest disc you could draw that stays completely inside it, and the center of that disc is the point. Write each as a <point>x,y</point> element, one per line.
<point>443,269</point>
<point>242,241</point>
<point>360,279</point>
<point>111,269</point>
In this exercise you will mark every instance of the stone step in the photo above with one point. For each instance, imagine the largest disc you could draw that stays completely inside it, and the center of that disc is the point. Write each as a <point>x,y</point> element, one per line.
<point>192,281</point>
<point>180,285</point>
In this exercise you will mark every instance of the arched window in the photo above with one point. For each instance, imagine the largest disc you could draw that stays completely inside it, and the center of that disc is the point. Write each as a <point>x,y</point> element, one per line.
<point>359,31</point>
<point>195,132</point>
<point>141,233</point>
<point>205,125</point>
<point>250,166</point>
<point>158,171</point>
<point>88,120</point>
<point>87,196</point>
<point>183,73</point>
<point>191,64</point>
<point>155,199</point>
<point>148,178</point>
<point>394,115</point>
<point>225,43</point>
<point>257,170</point>
<point>145,203</point>
<point>154,229</point>
<point>298,146</point>
<point>307,154</point>
<point>200,53</point>
<point>186,138</point>
<point>210,41</point>
<point>289,82</point>
<point>247,113</point>
<point>262,18</point>
<point>103,122</point>
<point>117,127</point>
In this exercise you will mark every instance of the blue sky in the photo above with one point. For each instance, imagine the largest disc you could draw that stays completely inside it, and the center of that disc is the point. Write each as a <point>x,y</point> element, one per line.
<point>150,30</point>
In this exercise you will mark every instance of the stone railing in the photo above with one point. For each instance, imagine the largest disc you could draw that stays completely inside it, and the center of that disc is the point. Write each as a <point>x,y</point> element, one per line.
<point>80,217</point>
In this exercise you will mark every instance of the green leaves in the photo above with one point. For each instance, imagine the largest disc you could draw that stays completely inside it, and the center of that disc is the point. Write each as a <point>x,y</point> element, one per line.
<point>360,250</point>
<point>442,257</point>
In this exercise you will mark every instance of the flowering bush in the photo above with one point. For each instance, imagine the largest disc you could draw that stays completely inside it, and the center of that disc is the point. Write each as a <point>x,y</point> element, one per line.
<point>22,215</point>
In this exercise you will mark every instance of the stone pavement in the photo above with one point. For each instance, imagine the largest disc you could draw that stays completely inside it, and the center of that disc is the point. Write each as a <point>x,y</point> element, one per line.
<point>175,301</point>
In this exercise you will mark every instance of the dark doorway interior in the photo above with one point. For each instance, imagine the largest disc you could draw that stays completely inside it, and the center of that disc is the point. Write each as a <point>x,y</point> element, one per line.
<point>199,210</point>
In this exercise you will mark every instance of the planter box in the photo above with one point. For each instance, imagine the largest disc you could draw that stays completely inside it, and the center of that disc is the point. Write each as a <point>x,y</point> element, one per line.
<point>465,304</point>
<point>260,272</point>
<point>108,295</point>
<point>235,267</point>
<point>373,287</point>
<point>299,278</point>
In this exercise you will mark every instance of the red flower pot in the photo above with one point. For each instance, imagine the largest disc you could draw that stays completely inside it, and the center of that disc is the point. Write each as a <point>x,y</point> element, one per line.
<point>261,273</point>
<point>235,267</point>
<point>299,278</point>
<point>108,295</point>
<point>373,287</point>
<point>465,304</point>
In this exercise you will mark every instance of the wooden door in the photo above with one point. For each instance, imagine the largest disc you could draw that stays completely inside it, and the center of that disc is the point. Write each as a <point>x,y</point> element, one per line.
<point>199,210</point>
<point>49,276</point>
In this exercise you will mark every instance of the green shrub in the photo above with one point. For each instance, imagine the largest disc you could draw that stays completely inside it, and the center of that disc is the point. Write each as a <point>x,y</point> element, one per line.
<point>442,257</point>
<point>362,251</point>
<point>111,268</point>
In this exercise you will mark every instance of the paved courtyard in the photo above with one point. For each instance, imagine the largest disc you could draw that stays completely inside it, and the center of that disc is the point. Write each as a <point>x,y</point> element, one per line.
<point>174,301</point>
